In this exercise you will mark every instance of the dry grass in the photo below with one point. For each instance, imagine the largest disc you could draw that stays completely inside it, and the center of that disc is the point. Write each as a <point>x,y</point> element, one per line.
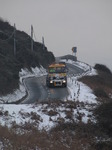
<point>65,136</point>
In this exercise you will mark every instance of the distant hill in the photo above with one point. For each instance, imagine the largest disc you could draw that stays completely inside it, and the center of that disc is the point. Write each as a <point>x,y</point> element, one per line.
<point>10,65</point>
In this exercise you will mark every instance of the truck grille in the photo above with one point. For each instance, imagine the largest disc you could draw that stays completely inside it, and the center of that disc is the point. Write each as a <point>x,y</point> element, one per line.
<point>57,83</point>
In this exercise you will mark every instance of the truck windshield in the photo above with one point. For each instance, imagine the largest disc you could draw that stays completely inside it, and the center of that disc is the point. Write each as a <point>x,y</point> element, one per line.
<point>57,70</point>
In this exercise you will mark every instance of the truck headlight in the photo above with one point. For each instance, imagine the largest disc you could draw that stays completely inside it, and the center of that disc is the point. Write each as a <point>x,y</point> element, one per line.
<point>51,81</point>
<point>64,81</point>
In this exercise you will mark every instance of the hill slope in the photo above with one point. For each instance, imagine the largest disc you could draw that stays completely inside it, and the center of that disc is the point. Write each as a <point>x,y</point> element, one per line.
<point>10,65</point>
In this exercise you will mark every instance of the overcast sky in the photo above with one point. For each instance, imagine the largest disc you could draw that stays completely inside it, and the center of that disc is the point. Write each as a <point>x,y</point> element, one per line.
<point>86,24</point>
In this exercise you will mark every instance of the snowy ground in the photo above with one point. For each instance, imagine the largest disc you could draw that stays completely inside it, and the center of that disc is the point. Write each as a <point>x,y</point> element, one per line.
<point>78,106</point>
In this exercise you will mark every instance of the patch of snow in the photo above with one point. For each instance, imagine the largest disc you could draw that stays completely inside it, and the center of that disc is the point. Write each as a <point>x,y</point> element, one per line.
<point>21,114</point>
<point>80,92</point>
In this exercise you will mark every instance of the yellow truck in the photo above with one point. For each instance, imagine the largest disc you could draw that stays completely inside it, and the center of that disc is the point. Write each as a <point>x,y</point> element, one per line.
<point>57,75</point>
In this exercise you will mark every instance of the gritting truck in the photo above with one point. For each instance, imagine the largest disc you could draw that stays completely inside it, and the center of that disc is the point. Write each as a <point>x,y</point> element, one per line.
<point>57,75</point>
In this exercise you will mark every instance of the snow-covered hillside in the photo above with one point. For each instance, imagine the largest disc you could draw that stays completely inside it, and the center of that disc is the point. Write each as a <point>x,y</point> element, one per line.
<point>48,115</point>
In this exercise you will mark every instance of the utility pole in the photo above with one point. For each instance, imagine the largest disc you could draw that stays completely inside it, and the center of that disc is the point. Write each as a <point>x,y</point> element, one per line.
<point>31,38</point>
<point>43,42</point>
<point>14,40</point>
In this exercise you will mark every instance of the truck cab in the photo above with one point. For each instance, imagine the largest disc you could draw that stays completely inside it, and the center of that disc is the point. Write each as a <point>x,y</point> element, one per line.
<point>57,75</point>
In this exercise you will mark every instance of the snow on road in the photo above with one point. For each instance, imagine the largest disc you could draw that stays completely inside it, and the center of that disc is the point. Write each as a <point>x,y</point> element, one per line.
<point>47,116</point>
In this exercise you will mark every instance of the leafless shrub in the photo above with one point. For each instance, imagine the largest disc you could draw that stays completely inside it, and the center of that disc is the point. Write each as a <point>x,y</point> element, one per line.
<point>60,120</point>
<point>44,110</point>
<point>6,113</point>
<point>66,126</point>
<point>23,114</point>
<point>69,114</point>
<point>1,113</point>
<point>52,113</point>
<point>70,104</point>
<point>35,116</point>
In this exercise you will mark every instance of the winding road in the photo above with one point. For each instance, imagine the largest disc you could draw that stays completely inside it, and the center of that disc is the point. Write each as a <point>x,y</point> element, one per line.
<point>38,91</point>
